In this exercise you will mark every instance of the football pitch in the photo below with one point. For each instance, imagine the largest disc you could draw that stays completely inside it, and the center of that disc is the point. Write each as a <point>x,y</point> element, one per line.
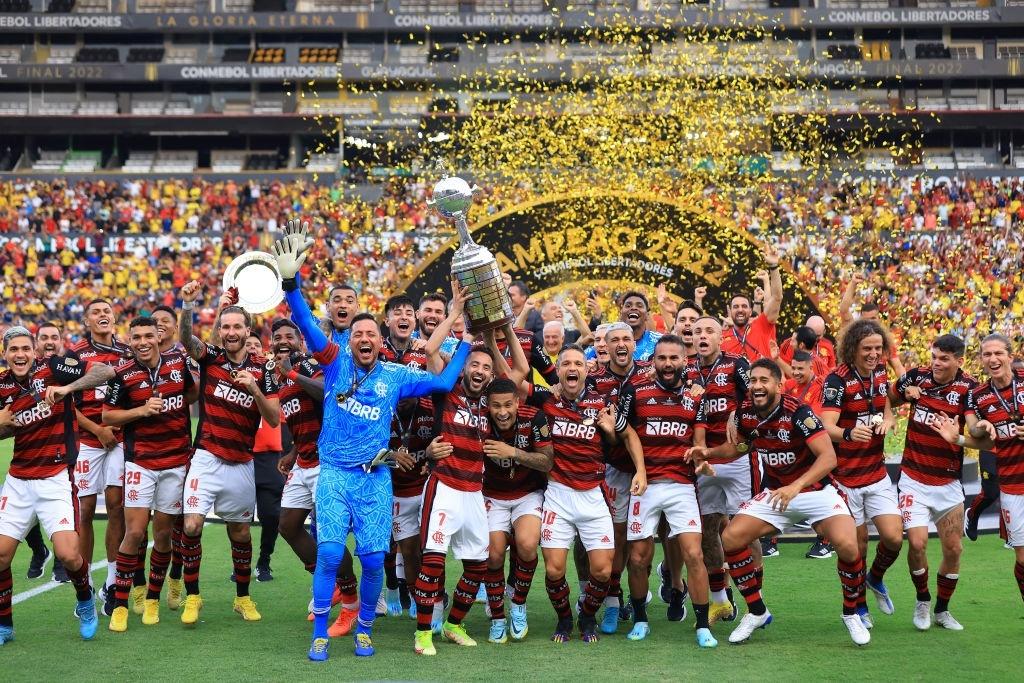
<point>807,641</point>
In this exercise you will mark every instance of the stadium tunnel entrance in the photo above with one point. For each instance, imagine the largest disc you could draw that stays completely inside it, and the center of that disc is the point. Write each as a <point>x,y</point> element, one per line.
<point>619,241</point>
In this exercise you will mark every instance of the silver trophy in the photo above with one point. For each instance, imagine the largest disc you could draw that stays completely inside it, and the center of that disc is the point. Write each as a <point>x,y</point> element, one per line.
<point>488,307</point>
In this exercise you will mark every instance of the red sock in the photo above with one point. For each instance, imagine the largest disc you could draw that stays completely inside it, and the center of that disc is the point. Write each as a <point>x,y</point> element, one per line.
<point>494,581</point>
<point>158,562</point>
<point>123,576</point>
<point>920,579</point>
<point>349,594</point>
<point>615,584</point>
<point>717,579</point>
<point>593,596</point>
<point>80,580</point>
<point>883,560</point>
<point>177,535</point>
<point>851,577</point>
<point>946,586</point>
<point>522,578</point>
<point>1018,573</point>
<point>6,596</point>
<point>192,557</point>
<point>139,579</point>
<point>428,587</point>
<point>465,592</point>
<point>746,576</point>
<point>241,559</point>
<point>558,593</point>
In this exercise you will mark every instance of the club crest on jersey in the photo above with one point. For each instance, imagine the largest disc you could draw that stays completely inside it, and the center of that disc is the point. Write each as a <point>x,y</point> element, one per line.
<point>953,397</point>
<point>38,385</point>
<point>381,389</point>
<point>175,375</point>
<point>721,379</point>
<point>1020,397</point>
<point>783,435</point>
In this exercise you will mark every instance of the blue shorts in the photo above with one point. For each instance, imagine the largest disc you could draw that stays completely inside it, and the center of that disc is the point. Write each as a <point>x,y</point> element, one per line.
<point>349,499</point>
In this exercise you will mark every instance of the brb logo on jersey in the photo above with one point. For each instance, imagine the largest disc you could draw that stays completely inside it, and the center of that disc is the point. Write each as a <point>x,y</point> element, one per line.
<point>39,411</point>
<point>290,408</point>
<point>573,430</point>
<point>358,409</point>
<point>666,428</point>
<point>233,395</point>
<point>465,417</point>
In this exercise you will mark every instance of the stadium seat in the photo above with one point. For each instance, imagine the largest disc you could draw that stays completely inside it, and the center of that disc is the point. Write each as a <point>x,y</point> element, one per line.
<point>145,55</point>
<point>15,6</point>
<point>60,6</point>
<point>268,55</point>
<point>318,55</point>
<point>98,55</point>
<point>931,51</point>
<point>236,54</point>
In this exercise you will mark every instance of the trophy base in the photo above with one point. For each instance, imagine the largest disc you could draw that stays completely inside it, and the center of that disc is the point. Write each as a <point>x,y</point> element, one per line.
<point>478,326</point>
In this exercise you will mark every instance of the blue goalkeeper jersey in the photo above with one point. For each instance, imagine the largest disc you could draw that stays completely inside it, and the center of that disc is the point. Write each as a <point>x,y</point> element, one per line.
<point>356,428</point>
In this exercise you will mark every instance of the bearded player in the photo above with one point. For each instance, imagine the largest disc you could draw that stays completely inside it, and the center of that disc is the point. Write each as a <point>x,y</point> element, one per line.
<point>354,487</point>
<point>997,423</point>
<point>857,414</point>
<point>664,417</point>
<point>236,392</point>
<point>100,464</point>
<point>581,420</point>
<point>930,489</point>
<point>39,413</point>
<point>719,381</point>
<point>149,400</point>
<point>797,457</point>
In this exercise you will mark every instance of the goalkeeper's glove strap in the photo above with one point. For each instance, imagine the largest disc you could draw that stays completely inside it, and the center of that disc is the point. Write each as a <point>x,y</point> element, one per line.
<point>289,284</point>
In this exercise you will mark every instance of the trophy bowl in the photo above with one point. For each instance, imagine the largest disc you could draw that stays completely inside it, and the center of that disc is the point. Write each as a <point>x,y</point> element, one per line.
<point>452,197</point>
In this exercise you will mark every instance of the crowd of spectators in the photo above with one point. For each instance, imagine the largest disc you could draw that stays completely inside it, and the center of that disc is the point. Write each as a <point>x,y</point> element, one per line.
<point>943,256</point>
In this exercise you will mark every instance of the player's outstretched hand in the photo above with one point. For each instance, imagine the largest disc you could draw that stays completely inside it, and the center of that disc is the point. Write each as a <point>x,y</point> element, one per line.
<point>190,292</point>
<point>298,233</point>
<point>289,255</point>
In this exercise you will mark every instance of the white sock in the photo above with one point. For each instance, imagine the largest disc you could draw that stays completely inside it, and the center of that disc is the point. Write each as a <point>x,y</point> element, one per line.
<point>111,573</point>
<point>719,596</point>
<point>611,601</point>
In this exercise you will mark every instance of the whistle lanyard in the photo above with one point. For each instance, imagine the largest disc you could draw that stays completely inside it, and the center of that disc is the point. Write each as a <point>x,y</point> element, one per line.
<point>868,389</point>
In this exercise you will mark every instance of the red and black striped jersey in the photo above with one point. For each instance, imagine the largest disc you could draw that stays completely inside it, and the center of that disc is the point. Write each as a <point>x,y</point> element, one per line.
<point>413,427</point>
<point>857,399</point>
<point>779,441</point>
<point>664,419</point>
<point>92,400</point>
<point>538,360</point>
<point>504,479</point>
<point>46,437</point>
<point>162,441</point>
<point>998,407</point>
<point>409,356</point>
<point>577,441</point>
<point>228,414</point>
<point>302,413</point>
<point>927,457</point>
<point>724,383</point>
<point>609,384</point>
<point>462,421</point>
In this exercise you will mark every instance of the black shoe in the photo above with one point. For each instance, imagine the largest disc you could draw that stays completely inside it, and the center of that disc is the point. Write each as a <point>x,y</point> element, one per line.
<point>232,578</point>
<point>677,606</point>
<point>769,548</point>
<point>60,574</point>
<point>36,564</point>
<point>403,594</point>
<point>820,550</point>
<point>109,601</point>
<point>971,528</point>
<point>625,609</point>
<point>263,572</point>
<point>735,612</point>
<point>665,591</point>
<point>563,631</point>
<point>588,629</point>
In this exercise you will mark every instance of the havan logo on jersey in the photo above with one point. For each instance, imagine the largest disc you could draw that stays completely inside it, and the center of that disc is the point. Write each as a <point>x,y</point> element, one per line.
<point>573,430</point>
<point>236,396</point>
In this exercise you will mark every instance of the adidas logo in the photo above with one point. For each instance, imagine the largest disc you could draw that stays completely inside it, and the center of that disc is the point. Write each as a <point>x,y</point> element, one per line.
<point>651,402</point>
<point>837,506</point>
<point>144,385</point>
<point>991,409</point>
<point>857,397</point>
<point>604,539</point>
<point>64,520</point>
<point>692,523</point>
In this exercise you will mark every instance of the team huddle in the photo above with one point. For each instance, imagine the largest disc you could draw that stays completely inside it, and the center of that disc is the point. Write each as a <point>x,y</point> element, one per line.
<point>426,439</point>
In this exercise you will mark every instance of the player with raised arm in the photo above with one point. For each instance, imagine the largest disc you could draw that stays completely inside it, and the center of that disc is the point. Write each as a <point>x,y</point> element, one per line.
<point>857,414</point>
<point>996,422</point>
<point>454,513</point>
<point>664,415</point>
<point>149,400</point>
<point>930,489</point>
<point>39,413</point>
<point>719,381</point>
<point>797,458</point>
<point>581,420</point>
<point>100,464</point>
<point>236,391</point>
<point>354,488</point>
<point>749,336</point>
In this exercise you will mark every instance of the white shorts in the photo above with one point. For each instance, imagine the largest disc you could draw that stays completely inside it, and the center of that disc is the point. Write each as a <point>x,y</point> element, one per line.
<point>618,483</point>
<point>922,503</point>
<point>300,488</point>
<point>503,514</point>
<point>228,488</point>
<point>457,519</point>
<point>405,518</point>
<point>729,488</point>
<point>868,502</point>
<point>568,512</point>
<point>50,501</point>
<point>1013,517</point>
<point>158,490</point>
<point>96,469</point>
<point>810,507</point>
<point>678,502</point>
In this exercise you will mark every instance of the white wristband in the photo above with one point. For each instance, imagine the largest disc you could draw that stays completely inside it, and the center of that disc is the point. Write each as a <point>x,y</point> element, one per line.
<point>187,305</point>
<point>961,441</point>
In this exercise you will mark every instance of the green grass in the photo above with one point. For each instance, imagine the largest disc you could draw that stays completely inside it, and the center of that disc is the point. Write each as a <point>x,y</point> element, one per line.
<point>807,641</point>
